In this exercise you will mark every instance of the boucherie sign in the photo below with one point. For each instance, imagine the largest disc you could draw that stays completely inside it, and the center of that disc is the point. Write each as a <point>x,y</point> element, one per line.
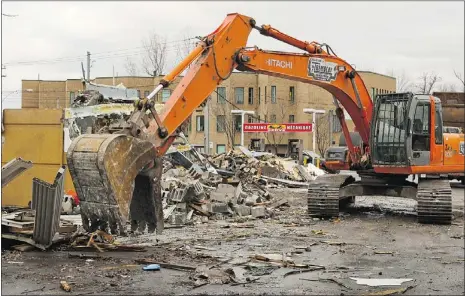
<point>277,127</point>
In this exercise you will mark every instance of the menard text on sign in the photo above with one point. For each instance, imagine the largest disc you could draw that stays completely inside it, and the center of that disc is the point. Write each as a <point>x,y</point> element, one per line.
<point>277,127</point>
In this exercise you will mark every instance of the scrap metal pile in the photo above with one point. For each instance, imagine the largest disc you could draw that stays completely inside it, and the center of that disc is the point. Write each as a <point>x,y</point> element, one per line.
<point>231,184</point>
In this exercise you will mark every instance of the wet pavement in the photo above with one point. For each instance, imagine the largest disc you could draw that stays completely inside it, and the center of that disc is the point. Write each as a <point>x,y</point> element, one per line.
<point>377,237</point>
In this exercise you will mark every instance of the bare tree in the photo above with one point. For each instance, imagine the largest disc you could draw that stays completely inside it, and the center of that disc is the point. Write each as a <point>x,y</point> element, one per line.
<point>459,77</point>
<point>131,67</point>
<point>225,121</point>
<point>447,87</point>
<point>185,46</point>
<point>322,134</point>
<point>403,82</point>
<point>278,111</point>
<point>154,56</point>
<point>427,81</point>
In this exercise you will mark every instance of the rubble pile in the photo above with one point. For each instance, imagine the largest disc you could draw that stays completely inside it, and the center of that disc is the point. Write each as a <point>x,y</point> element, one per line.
<point>234,185</point>
<point>89,98</point>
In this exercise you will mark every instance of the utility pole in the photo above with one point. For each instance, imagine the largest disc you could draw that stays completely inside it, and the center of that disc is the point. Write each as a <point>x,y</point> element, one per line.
<point>88,66</point>
<point>207,127</point>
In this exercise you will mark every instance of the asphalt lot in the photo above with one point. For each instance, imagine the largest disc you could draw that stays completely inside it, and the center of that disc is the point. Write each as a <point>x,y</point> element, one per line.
<point>377,237</point>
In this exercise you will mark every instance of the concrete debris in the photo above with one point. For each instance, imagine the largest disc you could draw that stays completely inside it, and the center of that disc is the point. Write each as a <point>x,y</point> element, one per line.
<point>380,282</point>
<point>209,187</point>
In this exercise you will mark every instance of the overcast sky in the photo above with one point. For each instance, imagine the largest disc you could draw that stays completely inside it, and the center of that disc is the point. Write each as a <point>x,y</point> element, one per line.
<point>378,36</point>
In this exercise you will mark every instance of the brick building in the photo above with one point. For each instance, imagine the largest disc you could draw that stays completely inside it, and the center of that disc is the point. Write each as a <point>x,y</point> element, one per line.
<point>273,99</point>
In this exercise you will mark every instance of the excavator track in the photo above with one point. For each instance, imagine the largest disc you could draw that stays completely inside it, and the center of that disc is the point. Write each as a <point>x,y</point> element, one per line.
<point>323,195</point>
<point>104,168</point>
<point>434,199</point>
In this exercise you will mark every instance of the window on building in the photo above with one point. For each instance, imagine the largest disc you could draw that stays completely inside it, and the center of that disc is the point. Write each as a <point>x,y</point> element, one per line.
<point>188,126</point>
<point>237,123</point>
<point>239,95</point>
<point>259,95</point>
<point>250,95</point>
<point>220,148</point>
<point>221,92</point>
<point>249,119</point>
<point>258,119</point>
<point>291,94</point>
<point>291,118</point>
<point>337,128</point>
<point>265,118</point>
<point>220,122</point>
<point>200,123</point>
<point>165,95</point>
<point>72,96</point>
<point>273,118</point>
<point>273,94</point>
<point>138,93</point>
<point>373,94</point>
<point>146,93</point>
<point>265,95</point>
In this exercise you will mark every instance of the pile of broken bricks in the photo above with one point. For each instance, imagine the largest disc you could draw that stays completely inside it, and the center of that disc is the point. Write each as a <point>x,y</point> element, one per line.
<point>237,188</point>
<point>184,196</point>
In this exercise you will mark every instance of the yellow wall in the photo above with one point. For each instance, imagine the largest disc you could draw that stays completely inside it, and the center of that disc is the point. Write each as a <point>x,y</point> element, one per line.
<point>35,135</point>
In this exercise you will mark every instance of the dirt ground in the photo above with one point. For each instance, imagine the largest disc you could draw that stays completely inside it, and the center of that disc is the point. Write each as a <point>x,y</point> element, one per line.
<point>374,238</point>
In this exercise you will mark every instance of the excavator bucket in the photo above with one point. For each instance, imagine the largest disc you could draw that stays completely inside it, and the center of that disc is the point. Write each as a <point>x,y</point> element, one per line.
<point>104,169</point>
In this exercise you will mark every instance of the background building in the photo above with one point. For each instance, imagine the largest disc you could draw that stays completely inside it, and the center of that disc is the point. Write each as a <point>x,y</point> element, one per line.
<point>273,99</point>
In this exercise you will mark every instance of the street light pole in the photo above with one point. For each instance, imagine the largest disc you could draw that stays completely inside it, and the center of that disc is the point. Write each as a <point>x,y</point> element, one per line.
<point>242,113</point>
<point>314,112</point>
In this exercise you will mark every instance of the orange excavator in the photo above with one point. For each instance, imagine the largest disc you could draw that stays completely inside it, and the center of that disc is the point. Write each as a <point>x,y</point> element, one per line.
<point>117,175</point>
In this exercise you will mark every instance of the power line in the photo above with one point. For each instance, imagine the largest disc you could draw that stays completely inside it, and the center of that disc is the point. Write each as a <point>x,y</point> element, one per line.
<point>96,55</point>
<point>115,56</point>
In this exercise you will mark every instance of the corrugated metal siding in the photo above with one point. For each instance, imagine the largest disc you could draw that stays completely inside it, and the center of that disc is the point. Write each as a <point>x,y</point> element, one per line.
<point>46,201</point>
<point>37,136</point>
<point>13,169</point>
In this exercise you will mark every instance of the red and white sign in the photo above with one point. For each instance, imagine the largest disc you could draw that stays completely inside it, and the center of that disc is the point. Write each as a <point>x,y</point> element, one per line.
<point>277,127</point>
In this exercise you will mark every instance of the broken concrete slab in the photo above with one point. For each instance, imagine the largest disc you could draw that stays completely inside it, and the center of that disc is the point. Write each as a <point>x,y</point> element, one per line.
<point>251,200</point>
<point>178,218</point>
<point>258,212</point>
<point>218,207</point>
<point>242,210</point>
<point>178,194</point>
<point>223,193</point>
<point>168,211</point>
<point>182,206</point>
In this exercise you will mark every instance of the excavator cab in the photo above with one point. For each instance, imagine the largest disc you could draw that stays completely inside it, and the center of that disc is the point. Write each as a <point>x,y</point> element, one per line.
<point>406,130</point>
<point>389,129</point>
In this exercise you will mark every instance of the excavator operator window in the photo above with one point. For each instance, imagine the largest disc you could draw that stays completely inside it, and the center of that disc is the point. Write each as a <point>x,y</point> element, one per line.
<point>389,130</point>
<point>421,128</point>
<point>438,124</point>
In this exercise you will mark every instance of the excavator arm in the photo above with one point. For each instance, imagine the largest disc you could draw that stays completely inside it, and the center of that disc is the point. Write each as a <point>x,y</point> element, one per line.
<point>109,170</point>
